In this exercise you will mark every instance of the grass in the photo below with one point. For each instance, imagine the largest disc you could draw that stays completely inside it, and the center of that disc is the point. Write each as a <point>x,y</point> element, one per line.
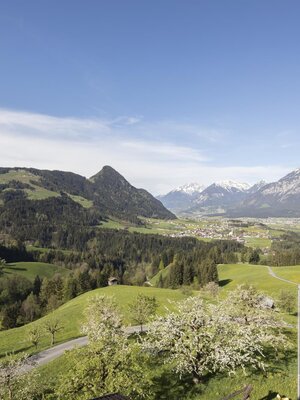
<point>36,192</point>
<point>20,175</point>
<point>232,275</point>
<point>162,273</point>
<point>81,200</point>
<point>290,273</point>
<point>71,315</point>
<point>258,242</point>
<point>31,269</point>
<point>39,193</point>
<point>112,224</point>
<point>31,247</point>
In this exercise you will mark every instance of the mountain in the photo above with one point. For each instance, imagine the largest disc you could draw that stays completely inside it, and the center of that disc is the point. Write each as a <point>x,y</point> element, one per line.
<point>181,198</point>
<point>112,192</point>
<point>277,199</point>
<point>107,193</point>
<point>219,196</point>
<point>257,186</point>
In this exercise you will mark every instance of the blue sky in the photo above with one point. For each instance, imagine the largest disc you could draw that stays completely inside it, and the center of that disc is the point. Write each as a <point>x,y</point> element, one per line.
<point>167,92</point>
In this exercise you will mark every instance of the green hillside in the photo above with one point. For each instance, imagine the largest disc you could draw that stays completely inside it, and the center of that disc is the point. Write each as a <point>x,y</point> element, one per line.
<point>107,191</point>
<point>162,273</point>
<point>71,315</point>
<point>278,379</point>
<point>25,180</point>
<point>231,275</point>
<point>290,273</point>
<point>31,269</point>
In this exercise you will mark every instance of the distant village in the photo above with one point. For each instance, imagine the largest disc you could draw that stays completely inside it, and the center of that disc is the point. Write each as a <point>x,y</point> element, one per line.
<point>239,230</point>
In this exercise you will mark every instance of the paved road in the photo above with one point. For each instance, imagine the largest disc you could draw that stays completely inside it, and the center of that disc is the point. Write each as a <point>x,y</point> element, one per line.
<point>44,357</point>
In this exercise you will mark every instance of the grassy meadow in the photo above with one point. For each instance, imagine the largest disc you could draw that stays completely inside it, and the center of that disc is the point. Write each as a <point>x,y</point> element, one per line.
<point>71,315</point>
<point>31,269</point>
<point>232,275</point>
<point>289,273</point>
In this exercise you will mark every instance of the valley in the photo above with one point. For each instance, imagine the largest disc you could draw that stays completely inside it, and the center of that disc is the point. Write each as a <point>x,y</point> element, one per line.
<point>65,239</point>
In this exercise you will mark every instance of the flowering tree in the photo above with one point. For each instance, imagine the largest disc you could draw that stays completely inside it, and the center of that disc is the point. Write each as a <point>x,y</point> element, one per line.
<point>142,309</point>
<point>103,321</point>
<point>110,363</point>
<point>16,382</point>
<point>201,338</point>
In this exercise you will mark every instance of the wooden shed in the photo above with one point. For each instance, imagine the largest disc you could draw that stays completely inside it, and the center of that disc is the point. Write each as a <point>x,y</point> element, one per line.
<point>112,281</point>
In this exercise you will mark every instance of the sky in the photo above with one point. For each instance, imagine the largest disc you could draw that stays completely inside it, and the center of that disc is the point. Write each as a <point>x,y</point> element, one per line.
<point>165,91</point>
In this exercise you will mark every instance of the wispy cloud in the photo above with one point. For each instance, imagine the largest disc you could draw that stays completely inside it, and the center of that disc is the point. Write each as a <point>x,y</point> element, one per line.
<point>148,154</point>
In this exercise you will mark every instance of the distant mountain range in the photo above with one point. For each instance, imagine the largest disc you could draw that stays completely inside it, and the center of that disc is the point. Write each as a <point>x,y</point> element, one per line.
<point>108,193</point>
<point>235,199</point>
<point>182,197</point>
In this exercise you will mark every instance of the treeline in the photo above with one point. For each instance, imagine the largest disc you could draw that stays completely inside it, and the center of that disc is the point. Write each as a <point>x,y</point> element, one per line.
<point>15,253</point>
<point>54,222</point>
<point>132,258</point>
<point>286,250</point>
<point>23,301</point>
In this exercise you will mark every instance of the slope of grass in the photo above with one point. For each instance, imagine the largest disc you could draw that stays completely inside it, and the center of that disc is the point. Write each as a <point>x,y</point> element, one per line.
<point>81,200</point>
<point>71,315</point>
<point>39,193</point>
<point>31,269</point>
<point>231,275</point>
<point>290,273</point>
<point>35,192</point>
<point>19,175</point>
<point>162,273</point>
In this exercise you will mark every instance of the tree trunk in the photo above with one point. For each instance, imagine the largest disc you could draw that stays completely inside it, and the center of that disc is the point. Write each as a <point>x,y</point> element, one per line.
<point>10,393</point>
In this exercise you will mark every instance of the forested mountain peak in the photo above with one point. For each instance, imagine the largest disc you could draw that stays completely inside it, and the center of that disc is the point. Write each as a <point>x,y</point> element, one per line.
<point>107,192</point>
<point>109,176</point>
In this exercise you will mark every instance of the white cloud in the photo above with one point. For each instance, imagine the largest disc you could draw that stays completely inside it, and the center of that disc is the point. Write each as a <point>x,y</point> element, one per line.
<point>85,145</point>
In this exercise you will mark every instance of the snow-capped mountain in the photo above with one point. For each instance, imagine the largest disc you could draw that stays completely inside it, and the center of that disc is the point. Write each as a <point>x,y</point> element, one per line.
<point>189,188</point>
<point>181,198</point>
<point>257,186</point>
<point>233,186</point>
<point>220,195</point>
<point>236,199</point>
<point>281,198</point>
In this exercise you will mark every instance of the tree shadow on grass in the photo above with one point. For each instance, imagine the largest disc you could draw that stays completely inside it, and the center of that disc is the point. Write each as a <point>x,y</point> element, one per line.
<point>168,386</point>
<point>270,396</point>
<point>15,268</point>
<point>224,282</point>
<point>22,350</point>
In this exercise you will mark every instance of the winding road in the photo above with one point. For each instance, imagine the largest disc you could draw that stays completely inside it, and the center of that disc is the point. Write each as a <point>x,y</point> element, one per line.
<point>45,356</point>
